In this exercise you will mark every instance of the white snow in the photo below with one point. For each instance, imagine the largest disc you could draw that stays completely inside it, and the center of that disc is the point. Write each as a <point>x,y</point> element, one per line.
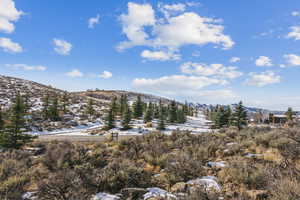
<point>209,182</point>
<point>157,192</point>
<point>219,164</point>
<point>105,196</point>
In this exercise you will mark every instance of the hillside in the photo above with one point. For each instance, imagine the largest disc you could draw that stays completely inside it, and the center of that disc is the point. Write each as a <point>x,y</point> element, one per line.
<point>107,95</point>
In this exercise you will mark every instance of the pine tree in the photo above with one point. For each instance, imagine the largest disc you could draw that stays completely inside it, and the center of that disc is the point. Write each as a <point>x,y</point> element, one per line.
<point>46,114</point>
<point>161,120</point>
<point>155,111</point>
<point>110,120</point>
<point>240,116</point>
<point>126,119</point>
<point>290,114</point>
<point>65,102</point>
<point>181,116</point>
<point>123,104</point>
<point>12,136</point>
<point>138,108</point>
<point>149,114</point>
<point>90,108</point>
<point>173,112</point>
<point>1,120</point>
<point>114,106</point>
<point>54,109</point>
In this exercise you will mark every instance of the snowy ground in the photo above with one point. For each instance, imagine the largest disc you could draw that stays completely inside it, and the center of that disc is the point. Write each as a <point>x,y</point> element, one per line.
<point>196,125</point>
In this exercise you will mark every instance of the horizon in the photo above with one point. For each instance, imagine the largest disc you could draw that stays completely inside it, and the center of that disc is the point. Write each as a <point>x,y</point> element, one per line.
<point>184,50</point>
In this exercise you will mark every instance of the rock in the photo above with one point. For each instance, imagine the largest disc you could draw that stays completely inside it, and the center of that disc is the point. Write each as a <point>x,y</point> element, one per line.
<point>157,193</point>
<point>208,182</point>
<point>252,155</point>
<point>29,196</point>
<point>105,196</point>
<point>179,187</point>
<point>219,164</point>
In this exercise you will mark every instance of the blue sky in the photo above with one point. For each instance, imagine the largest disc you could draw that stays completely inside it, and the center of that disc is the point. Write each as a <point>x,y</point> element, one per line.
<point>207,51</point>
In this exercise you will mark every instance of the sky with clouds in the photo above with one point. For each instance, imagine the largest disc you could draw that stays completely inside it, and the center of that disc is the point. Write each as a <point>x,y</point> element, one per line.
<point>207,51</point>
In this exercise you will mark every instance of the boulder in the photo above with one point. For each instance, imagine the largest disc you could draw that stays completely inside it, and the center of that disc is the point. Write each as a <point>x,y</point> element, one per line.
<point>157,193</point>
<point>105,196</point>
<point>208,182</point>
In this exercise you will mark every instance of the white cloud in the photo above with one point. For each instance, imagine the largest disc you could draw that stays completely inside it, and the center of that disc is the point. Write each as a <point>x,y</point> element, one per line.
<point>8,15</point>
<point>292,59</point>
<point>175,83</point>
<point>190,29</point>
<point>133,23</point>
<point>106,75</point>
<point>215,70</point>
<point>75,73</point>
<point>295,33</point>
<point>263,79</point>
<point>160,55</point>
<point>234,59</point>
<point>9,46</point>
<point>62,47</point>
<point>93,21</point>
<point>175,7</point>
<point>172,33</point>
<point>263,61</point>
<point>295,13</point>
<point>186,87</point>
<point>27,67</point>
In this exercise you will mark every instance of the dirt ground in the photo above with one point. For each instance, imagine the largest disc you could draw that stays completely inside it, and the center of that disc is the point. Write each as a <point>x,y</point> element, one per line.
<point>74,138</point>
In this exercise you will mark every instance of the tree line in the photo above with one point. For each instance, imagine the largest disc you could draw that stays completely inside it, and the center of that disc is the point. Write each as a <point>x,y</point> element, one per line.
<point>225,116</point>
<point>170,113</point>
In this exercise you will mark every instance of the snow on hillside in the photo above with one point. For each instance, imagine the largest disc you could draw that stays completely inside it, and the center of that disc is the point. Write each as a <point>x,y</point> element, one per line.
<point>195,125</point>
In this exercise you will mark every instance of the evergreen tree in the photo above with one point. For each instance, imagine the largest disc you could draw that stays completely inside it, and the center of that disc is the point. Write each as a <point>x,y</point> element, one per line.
<point>181,116</point>
<point>110,120</point>
<point>149,114</point>
<point>90,108</point>
<point>290,114</point>
<point>240,116</point>
<point>1,120</point>
<point>65,102</point>
<point>123,104</point>
<point>126,119</point>
<point>12,136</point>
<point>54,109</point>
<point>161,121</point>
<point>138,108</point>
<point>156,111</point>
<point>173,112</point>
<point>114,106</point>
<point>45,112</point>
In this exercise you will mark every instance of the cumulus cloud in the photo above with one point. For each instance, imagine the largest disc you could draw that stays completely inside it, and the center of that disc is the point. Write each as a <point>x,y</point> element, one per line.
<point>26,67</point>
<point>234,59</point>
<point>172,32</point>
<point>93,21</point>
<point>263,61</point>
<point>216,70</point>
<point>8,15</point>
<point>62,47</point>
<point>106,75</point>
<point>295,33</point>
<point>75,73</point>
<point>9,46</point>
<point>134,22</point>
<point>292,59</point>
<point>263,79</point>
<point>295,13</point>
<point>160,55</point>
<point>186,87</point>
<point>175,83</point>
